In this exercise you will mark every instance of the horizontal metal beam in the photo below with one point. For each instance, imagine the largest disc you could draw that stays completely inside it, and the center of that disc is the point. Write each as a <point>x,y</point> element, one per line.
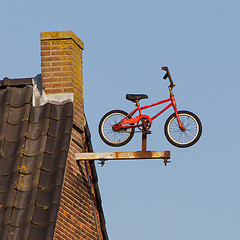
<point>123,155</point>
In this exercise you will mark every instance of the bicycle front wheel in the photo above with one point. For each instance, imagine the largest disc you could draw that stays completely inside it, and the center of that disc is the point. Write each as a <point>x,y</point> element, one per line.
<point>111,137</point>
<point>179,138</point>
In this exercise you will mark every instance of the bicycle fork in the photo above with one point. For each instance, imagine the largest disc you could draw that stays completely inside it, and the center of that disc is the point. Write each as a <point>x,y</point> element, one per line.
<point>176,112</point>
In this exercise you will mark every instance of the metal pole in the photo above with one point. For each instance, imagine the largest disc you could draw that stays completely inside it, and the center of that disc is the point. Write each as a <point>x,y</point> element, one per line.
<point>144,141</point>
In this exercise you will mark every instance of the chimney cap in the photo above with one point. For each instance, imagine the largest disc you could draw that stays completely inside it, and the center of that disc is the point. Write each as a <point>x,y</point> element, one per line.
<point>57,35</point>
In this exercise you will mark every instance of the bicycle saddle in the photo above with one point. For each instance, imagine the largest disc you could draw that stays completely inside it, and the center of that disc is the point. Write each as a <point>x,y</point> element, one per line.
<point>135,97</point>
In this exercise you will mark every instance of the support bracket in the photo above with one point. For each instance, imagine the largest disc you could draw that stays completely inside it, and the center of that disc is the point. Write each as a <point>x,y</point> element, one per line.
<point>105,156</point>
<point>102,157</point>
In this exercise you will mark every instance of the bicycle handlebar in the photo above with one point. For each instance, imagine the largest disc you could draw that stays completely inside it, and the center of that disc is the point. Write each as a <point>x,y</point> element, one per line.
<point>167,75</point>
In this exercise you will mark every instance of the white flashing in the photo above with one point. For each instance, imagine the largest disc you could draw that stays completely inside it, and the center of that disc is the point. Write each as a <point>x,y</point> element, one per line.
<point>41,98</point>
<point>60,97</point>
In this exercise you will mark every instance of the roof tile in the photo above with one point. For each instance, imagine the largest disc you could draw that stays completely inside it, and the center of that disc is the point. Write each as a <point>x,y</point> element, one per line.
<point>21,217</point>
<point>7,82</point>
<point>30,164</point>
<point>47,198</point>
<point>56,145</point>
<point>7,199</point>
<point>9,165</point>
<point>4,109</point>
<point>5,216</point>
<point>8,182</point>
<point>12,149</point>
<point>25,199</point>
<point>18,115</point>
<point>28,181</point>
<point>43,216</point>
<point>37,129</point>
<point>4,229</point>
<point>3,129</point>
<point>5,95</point>
<point>34,147</point>
<point>58,128</point>
<point>16,233</point>
<point>59,112</point>
<point>42,232</point>
<point>48,180</point>
<point>15,132</point>
<point>54,161</point>
<point>38,114</point>
<point>21,96</point>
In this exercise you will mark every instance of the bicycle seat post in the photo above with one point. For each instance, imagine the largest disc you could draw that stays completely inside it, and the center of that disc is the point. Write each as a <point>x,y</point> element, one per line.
<point>144,137</point>
<point>144,141</point>
<point>138,107</point>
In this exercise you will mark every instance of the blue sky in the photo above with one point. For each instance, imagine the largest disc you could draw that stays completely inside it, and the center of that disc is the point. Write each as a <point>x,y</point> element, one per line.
<point>126,42</point>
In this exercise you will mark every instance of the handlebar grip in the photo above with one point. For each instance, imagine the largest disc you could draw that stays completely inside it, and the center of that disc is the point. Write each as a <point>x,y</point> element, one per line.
<point>166,75</point>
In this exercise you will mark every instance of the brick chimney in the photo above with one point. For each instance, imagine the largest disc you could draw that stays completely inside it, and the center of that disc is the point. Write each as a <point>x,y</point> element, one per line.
<point>79,216</point>
<point>61,62</point>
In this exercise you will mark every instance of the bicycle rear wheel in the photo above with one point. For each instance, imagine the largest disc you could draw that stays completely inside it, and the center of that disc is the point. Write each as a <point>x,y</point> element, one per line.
<point>111,137</point>
<point>179,138</point>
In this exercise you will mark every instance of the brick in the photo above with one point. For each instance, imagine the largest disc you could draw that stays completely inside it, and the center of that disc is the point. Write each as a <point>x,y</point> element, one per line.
<point>51,79</point>
<point>61,74</point>
<point>48,91</point>
<point>45,64</point>
<point>67,90</point>
<point>45,53</point>
<point>69,68</point>
<point>45,47</point>
<point>50,58</point>
<point>45,43</point>
<point>62,52</point>
<point>46,75</point>
<point>57,47</point>
<point>52,69</point>
<point>66,58</point>
<point>61,64</point>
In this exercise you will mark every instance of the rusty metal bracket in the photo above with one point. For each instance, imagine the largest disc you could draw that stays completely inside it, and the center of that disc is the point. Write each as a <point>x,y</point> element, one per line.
<point>165,161</point>
<point>105,156</point>
<point>102,162</point>
<point>102,157</point>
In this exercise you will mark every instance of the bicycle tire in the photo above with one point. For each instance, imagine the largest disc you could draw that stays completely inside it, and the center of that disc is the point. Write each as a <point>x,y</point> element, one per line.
<point>179,138</point>
<point>110,137</point>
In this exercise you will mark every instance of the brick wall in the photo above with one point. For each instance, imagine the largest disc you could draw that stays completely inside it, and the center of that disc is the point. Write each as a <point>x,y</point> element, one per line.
<point>61,62</point>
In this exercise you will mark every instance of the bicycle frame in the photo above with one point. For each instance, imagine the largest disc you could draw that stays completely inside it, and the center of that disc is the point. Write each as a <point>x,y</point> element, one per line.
<point>129,122</point>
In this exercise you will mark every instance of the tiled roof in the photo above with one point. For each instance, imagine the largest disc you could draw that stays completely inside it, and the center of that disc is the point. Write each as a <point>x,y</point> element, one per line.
<point>34,143</point>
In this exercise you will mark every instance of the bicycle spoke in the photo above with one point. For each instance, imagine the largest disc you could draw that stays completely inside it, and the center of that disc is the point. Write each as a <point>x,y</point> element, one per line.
<point>183,137</point>
<point>115,136</point>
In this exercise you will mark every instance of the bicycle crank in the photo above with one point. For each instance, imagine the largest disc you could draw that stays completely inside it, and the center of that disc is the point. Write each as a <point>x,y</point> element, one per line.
<point>144,124</point>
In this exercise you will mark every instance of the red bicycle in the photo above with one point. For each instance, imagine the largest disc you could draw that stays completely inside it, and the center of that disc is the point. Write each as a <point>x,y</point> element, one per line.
<point>182,128</point>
